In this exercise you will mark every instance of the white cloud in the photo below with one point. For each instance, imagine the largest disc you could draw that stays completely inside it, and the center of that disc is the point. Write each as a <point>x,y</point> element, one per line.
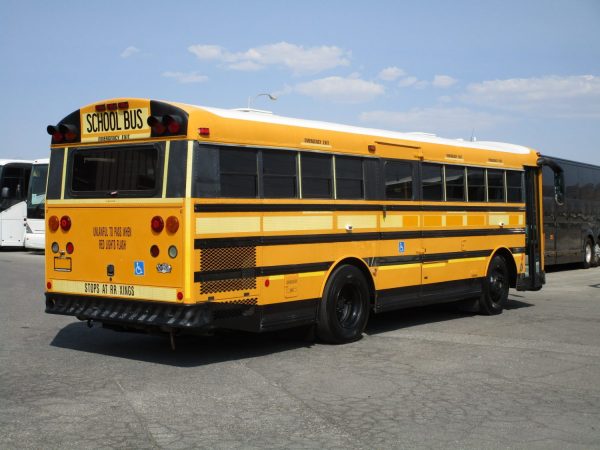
<point>408,81</point>
<point>443,81</point>
<point>391,73</point>
<point>296,58</point>
<point>435,119</point>
<point>549,96</point>
<point>186,77</point>
<point>129,51</point>
<point>342,90</point>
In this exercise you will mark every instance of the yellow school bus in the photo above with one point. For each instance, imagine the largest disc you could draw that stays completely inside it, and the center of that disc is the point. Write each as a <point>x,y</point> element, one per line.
<point>170,217</point>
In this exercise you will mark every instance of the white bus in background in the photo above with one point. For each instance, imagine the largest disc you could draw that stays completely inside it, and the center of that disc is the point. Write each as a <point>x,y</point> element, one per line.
<point>14,184</point>
<point>36,201</point>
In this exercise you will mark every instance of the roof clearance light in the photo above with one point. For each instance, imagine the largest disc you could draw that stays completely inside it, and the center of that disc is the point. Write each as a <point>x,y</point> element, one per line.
<point>112,106</point>
<point>100,108</point>
<point>65,223</point>
<point>173,123</point>
<point>157,224</point>
<point>123,105</point>
<point>156,123</point>
<point>204,131</point>
<point>53,223</point>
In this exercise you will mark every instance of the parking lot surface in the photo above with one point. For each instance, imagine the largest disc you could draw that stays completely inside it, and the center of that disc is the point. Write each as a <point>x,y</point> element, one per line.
<point>420,378</point>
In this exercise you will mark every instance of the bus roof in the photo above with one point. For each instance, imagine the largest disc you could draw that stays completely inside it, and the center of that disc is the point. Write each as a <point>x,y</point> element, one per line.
<point>267,117</point>
<point>41,161</point>
<point>3,162</point>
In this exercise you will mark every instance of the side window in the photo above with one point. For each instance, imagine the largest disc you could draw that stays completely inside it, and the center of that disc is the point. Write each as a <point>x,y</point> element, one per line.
<point>316,176</point>
<point>398,180</point>
<point>349,177</point>
<point>514,187</point>
<point>431,180</point>
<point>455,183</point>
<point>495,180</point>
<point>476,183</point>
<point>279,174</point>
<point>238,172</point>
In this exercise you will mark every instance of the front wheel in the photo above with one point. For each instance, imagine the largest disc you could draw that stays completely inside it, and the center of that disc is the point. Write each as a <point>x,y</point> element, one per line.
<point>495,287</point>
<point>344,308</point>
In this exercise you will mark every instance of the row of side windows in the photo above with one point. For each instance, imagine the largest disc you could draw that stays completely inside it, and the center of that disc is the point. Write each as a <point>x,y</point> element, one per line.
<point>238,172</point>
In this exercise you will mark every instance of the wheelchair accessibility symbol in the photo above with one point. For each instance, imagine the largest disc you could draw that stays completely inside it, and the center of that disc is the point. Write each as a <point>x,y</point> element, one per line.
<point>138,268</point>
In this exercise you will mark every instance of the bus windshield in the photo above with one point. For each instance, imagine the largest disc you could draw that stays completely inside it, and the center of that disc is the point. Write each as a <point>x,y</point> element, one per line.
<point>130,171</point>
<point>36,197</point>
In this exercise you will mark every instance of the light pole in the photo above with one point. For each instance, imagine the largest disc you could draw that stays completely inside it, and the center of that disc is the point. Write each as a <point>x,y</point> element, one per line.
<point>271,97</point>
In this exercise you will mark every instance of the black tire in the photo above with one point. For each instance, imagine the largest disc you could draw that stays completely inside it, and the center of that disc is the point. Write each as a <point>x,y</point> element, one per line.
<point>495,287</point>
<point>588,254</point>
<point>596,255</point>
<point>344,308</point>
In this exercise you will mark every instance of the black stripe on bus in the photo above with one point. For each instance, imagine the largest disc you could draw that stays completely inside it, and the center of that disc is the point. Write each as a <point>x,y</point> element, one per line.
<point>295,207</point>
<point>411,259</point>
<point>254,272</point>
<point>253,241</point>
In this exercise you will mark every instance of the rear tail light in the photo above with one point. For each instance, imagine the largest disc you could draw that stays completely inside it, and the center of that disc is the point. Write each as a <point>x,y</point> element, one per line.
<point>65,223</point>
<point>70,247</point>
<point>172,224</point>
<point>154,251</point>
<point>157,224</point>
<point>53,223</point>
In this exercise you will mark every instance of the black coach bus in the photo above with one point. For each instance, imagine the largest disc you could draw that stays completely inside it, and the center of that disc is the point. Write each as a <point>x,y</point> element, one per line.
<point>572,225</point>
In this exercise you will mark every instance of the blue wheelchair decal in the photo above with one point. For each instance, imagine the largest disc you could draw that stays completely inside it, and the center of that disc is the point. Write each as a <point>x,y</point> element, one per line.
<point>138,268</point>
<point>401,247</point>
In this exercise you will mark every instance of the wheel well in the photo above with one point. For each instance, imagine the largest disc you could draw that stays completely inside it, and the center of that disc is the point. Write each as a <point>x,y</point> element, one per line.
<point>510,261</point>
<point>362,266</point>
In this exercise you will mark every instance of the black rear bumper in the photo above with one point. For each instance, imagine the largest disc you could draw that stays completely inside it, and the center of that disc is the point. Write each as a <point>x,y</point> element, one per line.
<point>242,314</point>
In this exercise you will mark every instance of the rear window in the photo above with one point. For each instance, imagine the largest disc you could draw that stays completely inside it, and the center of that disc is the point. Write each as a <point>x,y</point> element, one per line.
<point>123,171</point>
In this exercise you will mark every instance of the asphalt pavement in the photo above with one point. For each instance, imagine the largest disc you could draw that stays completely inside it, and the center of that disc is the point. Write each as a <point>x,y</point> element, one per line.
<point>420,378</point>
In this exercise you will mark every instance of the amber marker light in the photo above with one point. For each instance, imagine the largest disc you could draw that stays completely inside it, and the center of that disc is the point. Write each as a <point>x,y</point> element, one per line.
<point>53,223</point>
<point>172,224</point>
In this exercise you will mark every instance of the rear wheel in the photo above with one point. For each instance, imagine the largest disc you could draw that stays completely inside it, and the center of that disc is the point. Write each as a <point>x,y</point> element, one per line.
<point>344,309</point>
<point>495,287</point>
<point>596,255</point>
<point>588,254</point>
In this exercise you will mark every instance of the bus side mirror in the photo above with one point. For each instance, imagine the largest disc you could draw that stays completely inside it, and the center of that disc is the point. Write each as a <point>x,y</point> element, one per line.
<point>559,188</point>
<point>5,193</point>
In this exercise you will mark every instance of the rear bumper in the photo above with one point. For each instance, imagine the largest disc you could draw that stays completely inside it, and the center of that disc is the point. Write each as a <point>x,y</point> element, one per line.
<point>241,314</point>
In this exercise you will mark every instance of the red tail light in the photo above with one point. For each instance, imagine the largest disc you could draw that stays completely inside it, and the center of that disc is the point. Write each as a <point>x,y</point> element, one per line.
<point>53,223</point>
<point>172,224</point>
<point>157,224</point>
<point>156,123</point>
<point>154,251</point>
<point>65,223</point>
<point>70,248</point>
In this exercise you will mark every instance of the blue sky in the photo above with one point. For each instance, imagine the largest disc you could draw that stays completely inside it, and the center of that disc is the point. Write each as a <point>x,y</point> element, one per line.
<point>524,72</point>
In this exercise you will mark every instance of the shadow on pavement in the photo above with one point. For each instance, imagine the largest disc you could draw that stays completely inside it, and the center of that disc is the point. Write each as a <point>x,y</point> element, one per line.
<point>191,351</point>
